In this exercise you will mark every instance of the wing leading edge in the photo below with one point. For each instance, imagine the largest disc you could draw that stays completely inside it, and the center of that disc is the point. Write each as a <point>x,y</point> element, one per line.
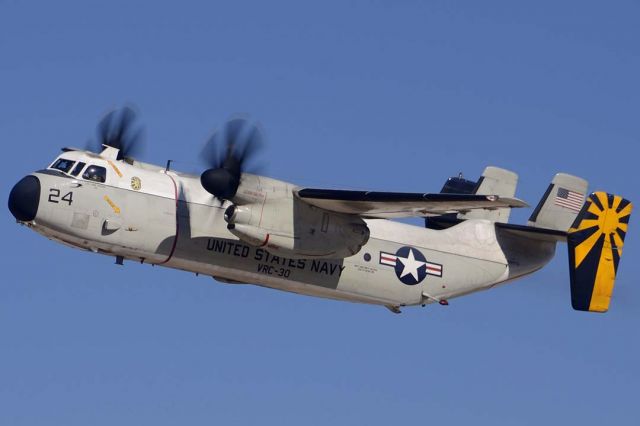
<point>391,205</point>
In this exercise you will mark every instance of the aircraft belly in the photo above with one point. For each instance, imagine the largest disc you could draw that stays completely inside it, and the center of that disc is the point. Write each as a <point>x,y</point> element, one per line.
<point>206,246</point>
<point>230,258</point>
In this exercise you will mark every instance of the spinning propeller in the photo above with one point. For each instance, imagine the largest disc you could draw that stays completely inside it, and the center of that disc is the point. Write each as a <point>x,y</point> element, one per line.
<point>226,153</point>
<point>118,130</point>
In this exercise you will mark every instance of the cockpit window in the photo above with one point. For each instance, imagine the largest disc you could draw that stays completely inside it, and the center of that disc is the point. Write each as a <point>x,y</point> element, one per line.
<point>63,165</point>
<point>95,173</point>
<point>78,168</point>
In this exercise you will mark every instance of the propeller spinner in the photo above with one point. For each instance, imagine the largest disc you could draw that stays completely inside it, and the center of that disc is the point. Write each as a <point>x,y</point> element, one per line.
<point>227,152</point>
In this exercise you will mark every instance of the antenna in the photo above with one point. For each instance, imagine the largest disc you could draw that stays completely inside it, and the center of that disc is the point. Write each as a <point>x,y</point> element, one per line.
<point>168,165</point>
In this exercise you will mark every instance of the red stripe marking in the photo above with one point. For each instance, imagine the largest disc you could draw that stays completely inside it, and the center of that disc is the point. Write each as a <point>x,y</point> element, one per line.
<point>266,240</point>
<point>573,203</point>
<point>175,238</point>
<point>570,200</point>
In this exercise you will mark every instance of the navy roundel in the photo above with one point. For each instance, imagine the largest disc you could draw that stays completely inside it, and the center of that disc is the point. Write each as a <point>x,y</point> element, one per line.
<point>411,265</point>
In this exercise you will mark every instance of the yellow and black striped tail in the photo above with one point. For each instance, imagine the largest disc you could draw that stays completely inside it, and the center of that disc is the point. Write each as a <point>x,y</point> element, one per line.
<point>595,243</point>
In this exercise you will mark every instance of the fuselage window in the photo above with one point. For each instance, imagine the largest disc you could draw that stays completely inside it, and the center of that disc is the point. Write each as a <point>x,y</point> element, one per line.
<point>63,165</point>
<point>78,168</point>
<point>95,173</point>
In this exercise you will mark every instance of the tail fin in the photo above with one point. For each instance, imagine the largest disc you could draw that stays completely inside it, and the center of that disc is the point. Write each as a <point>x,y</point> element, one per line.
<point>560,204</point>
<point>595,243</point>
<point>494,181</point>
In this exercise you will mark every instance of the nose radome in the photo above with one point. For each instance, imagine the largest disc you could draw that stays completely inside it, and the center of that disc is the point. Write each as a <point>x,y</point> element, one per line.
<point>24,199</point>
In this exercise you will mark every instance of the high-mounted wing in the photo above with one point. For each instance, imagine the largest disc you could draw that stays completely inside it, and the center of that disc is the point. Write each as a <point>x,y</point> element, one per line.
<point>390,205</point>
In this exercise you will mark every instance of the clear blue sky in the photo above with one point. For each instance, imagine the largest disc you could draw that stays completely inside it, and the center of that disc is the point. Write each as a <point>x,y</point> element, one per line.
<point>380,95</point>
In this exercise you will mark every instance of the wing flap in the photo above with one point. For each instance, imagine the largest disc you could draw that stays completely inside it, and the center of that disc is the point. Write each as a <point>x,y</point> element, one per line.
<point>391,205</point>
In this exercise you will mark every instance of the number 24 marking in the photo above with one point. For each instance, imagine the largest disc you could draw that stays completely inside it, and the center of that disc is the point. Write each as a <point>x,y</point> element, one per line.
<point>54,196</point>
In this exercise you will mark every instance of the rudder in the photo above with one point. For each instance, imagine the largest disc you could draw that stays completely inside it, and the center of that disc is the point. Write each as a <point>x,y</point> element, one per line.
<point>595,242</point>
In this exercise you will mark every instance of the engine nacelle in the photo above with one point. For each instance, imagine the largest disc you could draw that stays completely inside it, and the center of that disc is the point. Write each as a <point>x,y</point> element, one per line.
<point>289,227</point>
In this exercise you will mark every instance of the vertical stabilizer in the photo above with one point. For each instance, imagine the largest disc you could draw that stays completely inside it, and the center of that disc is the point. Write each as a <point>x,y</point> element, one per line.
<point>494,181</point>
<point>560,204</point>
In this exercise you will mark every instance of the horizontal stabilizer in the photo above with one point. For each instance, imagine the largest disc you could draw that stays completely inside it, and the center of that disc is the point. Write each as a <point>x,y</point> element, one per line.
<point>531,232</point>
<point>595,243</point>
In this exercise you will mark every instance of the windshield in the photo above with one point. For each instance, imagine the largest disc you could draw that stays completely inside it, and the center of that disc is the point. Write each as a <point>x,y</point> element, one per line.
<point>78,168</point>
<point>63,165</point>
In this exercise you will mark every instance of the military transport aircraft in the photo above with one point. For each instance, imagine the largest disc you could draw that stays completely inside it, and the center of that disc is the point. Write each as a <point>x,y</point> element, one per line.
<point>243,228</point>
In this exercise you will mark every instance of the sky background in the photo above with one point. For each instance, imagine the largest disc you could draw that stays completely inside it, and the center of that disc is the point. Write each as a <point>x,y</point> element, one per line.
<point>381,95</point>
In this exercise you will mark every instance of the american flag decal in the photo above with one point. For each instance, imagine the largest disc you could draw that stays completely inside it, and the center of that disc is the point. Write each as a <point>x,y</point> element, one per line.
<point>569,199</point>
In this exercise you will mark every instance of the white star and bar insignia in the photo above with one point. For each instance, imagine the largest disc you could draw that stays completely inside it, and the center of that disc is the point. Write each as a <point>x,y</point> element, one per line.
<point>410,265</point>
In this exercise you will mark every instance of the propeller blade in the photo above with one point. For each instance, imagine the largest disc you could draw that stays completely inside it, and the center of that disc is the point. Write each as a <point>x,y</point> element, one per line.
<point>226,153</point>
<point>117,129</point>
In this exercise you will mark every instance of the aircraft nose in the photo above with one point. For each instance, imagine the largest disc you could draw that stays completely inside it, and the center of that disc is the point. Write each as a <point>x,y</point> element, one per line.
<point>24,198</point>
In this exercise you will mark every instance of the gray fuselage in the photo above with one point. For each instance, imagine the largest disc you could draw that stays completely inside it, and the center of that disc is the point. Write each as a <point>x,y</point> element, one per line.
<point>147,214</point>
